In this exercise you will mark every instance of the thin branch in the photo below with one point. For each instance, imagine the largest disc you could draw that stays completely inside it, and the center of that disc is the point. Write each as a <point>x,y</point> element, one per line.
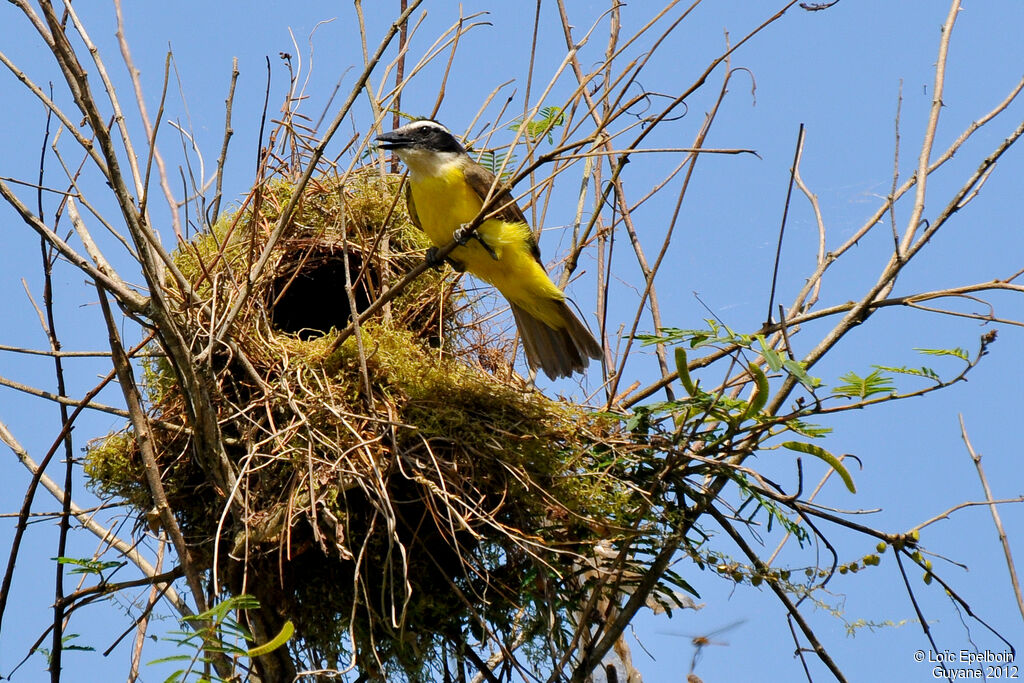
<point>85,402</point>
<point>946,514</point>
<point>145,441</point>
<point>86,517</point>
<point>1003,539</point>
<point>785,214</point>
<point>780,593</point>
<point>929,133</point>
<point>228,132</point>
<point>297,191</point>
<point>140,100</point>
<point>126,295</point>
<point>69,126</point>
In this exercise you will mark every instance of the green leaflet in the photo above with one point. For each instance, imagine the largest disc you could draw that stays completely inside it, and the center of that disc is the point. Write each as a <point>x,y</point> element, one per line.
<point>923,371</point>
<point>760,395</point>
<point>86,566</point>
<point>280,639</point>
<point>819,452</point>
<point>542,126</point>
<point>799,372</point>
<point>957,352</point>
<point>771,356</point>
<point>684,373</point>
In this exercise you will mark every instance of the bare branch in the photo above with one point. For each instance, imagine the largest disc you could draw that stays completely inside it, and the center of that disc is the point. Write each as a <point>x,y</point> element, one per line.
<point>86,518</point>
<point>1003,540</point>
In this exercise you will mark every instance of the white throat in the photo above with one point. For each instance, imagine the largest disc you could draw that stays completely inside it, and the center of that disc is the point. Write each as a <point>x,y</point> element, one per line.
<point>426,163</point>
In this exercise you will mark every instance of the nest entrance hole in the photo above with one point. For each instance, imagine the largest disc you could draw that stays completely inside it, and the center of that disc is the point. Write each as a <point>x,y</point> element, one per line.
<point>308,295</point>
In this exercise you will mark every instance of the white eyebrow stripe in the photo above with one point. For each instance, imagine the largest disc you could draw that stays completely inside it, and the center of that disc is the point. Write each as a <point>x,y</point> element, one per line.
<point>426,123</point>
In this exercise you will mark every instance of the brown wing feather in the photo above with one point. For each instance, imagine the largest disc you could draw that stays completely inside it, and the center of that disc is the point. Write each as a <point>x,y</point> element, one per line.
<point>411,206</point>
<point>481,180</point>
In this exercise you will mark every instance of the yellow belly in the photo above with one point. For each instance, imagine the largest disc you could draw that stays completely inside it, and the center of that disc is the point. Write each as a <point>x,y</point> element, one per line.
<point>445,202</point>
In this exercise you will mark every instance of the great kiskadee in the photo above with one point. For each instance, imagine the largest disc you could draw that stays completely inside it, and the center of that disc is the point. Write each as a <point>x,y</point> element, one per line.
<point>446,191</point>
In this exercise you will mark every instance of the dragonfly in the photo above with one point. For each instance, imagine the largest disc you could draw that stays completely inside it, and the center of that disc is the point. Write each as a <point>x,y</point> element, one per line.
<point>702,641</point>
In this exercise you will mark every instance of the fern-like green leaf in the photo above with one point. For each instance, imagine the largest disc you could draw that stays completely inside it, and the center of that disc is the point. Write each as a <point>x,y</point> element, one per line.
<point>915,372</point>
<point>957,352</point>
<point>859,387</point>
<point>86,566</point>
<point>774,510</point>
<point>543,125</point>
<point>716,335</point>
<point>674,335</point>
<point>807,429</point>
<point>497,162</point>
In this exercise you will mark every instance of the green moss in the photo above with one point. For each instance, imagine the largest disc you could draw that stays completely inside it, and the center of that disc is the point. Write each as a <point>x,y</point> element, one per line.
<point>112,466</point>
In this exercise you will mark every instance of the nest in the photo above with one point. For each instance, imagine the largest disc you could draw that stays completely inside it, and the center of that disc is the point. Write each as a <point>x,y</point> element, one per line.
<point>403,493</point>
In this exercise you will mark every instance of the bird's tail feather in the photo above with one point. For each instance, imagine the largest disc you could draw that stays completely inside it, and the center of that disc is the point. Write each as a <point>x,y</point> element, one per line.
<point>558,352</point>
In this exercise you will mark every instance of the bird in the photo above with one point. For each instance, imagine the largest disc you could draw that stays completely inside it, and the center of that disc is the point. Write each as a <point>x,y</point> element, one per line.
<point>445,191</point>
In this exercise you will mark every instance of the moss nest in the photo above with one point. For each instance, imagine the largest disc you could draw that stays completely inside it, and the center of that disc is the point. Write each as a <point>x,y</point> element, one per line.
<point>399,493</point>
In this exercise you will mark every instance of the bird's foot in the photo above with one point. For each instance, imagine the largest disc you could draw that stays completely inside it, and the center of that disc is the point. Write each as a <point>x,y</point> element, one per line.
<point>433,261</point>
<point>462,234</point>
<point>462,237</point>
<point>431,258</point>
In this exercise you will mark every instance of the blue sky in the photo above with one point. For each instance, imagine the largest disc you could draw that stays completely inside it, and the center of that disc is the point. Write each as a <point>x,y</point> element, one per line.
<point>839,72</point>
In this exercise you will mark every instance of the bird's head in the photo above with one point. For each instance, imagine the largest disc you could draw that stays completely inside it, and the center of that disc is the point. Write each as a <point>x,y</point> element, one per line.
<point>422,144</point>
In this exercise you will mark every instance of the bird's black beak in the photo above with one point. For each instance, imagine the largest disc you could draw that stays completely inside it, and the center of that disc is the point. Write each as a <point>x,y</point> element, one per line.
<point>393,140</point>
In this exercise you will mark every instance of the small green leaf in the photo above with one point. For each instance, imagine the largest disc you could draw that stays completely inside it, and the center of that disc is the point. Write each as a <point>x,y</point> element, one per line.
<point>648,339</point>
<point>682,583</point>
<point>819,452</point>
<point>771,356</point>
<point>640,419</point>
<point>221,610</point>
<point>172,658</point>
<point>86,566</point>
<point>796,369</point>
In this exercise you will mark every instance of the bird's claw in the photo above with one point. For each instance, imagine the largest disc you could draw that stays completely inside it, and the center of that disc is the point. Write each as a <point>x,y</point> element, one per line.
<point>462,237</point>
<point>488,249</point>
